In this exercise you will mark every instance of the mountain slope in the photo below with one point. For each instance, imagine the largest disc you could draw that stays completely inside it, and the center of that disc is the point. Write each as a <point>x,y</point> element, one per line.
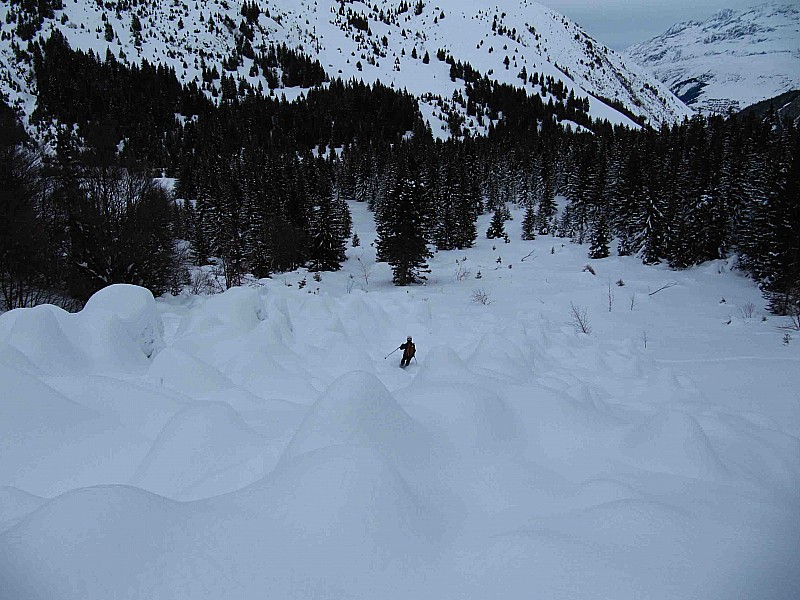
<point>732,60</point>
<point>384,41</point>
<point>785,105</point>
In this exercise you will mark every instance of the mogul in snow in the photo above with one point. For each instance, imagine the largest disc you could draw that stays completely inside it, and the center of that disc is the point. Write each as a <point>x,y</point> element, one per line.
<point>409,349</point>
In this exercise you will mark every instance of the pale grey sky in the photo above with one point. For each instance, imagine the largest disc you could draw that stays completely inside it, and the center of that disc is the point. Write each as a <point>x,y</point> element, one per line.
<point>620,23</point>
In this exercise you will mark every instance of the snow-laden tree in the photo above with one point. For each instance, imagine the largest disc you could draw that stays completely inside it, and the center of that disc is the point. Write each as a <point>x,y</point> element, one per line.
<point>401,222</point>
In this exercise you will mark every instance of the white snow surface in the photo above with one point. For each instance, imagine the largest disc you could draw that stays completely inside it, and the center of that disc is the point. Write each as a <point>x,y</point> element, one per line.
<point>260,443</point>
<point>730,61</point>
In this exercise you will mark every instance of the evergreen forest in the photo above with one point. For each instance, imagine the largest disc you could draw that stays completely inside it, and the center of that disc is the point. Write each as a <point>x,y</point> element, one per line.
<point>262,182</point>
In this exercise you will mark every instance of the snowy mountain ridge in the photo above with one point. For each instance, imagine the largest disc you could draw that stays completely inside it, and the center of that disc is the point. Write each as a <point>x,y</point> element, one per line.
<point>395,43</point>
<point>729,61</point>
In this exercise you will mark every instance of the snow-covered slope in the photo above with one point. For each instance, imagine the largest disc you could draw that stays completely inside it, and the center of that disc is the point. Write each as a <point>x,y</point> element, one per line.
<point>730,61</point>
<point>269,448</point>
<point>352,39</point>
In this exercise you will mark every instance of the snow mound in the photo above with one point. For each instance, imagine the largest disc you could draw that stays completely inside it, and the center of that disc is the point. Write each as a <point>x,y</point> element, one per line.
<point>46,335</point>
<point>541,564</point>
<point>343,356</point>
<point>15,504</point>
<point>443,365</point>
<point>364,318</point>
<point>138,405</point>
<point>50,444</point>
<point>239,308</point>
<point>205,450</point>
<point>367,533</point>
<point>179,370</point>
<point>262,366</point>
<point>28,406</point>
<point>358,410</point>
<point>673,442</point>
<point>96,542</point>
<point>563,428</point>
<point>133,308</point>
<point>367,507</point>
<point>631,523</point>
<point>502,358</point>
<point>471,417</point>
<point>15,359</point>
<point>119,329</point>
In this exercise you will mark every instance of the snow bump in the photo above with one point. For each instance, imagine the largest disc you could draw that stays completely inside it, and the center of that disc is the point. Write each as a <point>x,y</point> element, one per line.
<point>358,410</point>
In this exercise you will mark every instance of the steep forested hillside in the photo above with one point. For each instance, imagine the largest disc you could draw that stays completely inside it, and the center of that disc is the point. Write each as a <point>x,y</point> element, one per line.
<point>283,47</point>
<point>261,180</point>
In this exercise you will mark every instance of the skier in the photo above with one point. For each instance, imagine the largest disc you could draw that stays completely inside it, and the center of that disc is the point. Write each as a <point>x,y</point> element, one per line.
<point>409,349</point>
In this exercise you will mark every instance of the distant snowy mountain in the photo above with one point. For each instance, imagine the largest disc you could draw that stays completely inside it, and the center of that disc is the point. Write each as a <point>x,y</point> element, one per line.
<point>732,60</point>
<point>398,43</point>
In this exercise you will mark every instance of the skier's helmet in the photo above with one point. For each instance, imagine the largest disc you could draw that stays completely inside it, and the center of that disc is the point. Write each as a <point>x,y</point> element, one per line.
<point>408,339</point>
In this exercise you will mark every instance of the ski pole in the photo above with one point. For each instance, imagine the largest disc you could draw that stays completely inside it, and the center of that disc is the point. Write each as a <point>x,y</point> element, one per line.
<point>390,353</point>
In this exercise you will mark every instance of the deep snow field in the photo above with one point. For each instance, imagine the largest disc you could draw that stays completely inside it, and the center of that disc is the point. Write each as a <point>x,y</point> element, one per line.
<point>258,444</point>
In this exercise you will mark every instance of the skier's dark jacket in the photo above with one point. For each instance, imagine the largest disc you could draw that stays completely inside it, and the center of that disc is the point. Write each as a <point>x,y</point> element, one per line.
<point>409,350</point>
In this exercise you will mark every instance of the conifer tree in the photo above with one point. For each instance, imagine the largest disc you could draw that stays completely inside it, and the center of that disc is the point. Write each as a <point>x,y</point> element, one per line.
<point>454,218</point>
<point>600,237</point>
<point>780,266</point>
<point>547,202</point>
<point>529,224</point>
<point>329,231</point>
<point>401,224</point>
<point>496,227</point>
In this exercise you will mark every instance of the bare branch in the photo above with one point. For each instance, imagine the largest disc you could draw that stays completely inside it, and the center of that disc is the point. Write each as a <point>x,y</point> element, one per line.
<point>366,270</point>
<point>664,287</point>
<point>481,296</point>
<point>579,320</point>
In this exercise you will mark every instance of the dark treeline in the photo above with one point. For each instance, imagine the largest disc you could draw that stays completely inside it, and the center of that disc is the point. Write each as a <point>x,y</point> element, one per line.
<point>262,191</point>
<point>69,227</point>
<point>700,190</point>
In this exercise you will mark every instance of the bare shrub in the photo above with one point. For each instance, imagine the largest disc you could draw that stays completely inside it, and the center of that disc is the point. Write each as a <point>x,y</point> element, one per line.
<point>579,320</point>
<point>366,270</point>
<point>588,268</point>
<point>644,338</point>
<point>610,296</point>
<point>205,282</point>
<point>620,283</point>
<point>633,301</point>
<point>462,272</point>
<point>481,296</point>
<point>747,311</point>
